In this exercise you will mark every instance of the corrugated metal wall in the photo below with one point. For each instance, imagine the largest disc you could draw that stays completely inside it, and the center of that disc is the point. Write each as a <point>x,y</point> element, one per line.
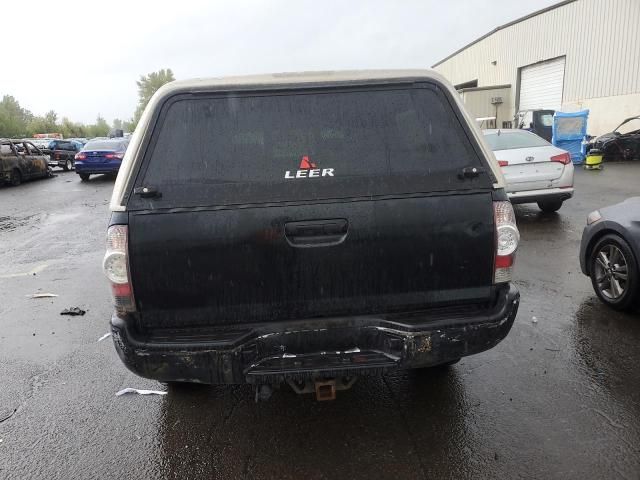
<point>600,38</point>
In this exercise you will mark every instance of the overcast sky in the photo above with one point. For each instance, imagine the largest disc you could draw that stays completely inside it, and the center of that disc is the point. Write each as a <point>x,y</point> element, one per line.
<point>81,58</point>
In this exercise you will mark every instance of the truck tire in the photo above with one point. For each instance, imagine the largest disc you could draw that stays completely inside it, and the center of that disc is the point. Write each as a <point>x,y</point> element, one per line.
<point>84,177</point>
<point>68,165</point>
<point>16,177</point>
<point>550,206</point>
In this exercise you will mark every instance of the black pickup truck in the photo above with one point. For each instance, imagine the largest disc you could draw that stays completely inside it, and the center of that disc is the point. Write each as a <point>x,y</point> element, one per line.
<point>308,229</point>
<point>62,153</point>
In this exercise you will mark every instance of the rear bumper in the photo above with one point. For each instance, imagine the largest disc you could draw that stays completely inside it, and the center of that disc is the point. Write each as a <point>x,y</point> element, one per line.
<point>94,168</point>
<point>547,194</point>
<point>270,353</point>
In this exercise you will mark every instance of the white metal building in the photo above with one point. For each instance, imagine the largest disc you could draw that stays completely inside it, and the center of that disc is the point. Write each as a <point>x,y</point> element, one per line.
<point>573,55</point>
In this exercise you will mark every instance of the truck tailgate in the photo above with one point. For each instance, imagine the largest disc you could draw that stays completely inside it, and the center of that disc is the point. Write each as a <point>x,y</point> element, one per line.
<point>239,265</point>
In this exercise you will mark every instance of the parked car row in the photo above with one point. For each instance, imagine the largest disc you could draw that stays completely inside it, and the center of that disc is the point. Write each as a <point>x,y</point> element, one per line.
<point>23,159</point>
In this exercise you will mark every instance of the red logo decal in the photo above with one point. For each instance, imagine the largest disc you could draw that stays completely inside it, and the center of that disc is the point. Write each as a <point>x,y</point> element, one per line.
<point>306,164</point>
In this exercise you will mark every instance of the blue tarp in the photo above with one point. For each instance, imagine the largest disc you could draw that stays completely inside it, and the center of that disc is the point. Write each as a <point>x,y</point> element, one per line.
<point>569,130</point>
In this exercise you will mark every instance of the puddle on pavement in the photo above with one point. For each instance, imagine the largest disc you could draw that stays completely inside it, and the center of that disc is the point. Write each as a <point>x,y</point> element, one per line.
<point>8,224</point>
<point>11,223</point>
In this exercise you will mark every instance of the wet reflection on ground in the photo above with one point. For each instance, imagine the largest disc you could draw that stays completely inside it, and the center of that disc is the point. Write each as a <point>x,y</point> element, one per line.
<point>220,431</point>
<point>608,344</point>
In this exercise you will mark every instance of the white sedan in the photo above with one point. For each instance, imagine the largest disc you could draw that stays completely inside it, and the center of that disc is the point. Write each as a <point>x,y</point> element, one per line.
<point>535,170</point>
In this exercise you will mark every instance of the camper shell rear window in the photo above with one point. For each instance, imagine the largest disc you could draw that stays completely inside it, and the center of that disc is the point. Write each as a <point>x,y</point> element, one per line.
<point>233,148</point>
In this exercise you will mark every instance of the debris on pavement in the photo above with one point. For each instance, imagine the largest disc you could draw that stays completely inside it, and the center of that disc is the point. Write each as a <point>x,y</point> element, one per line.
<point>534,319</point>
<point>8,415</point>
<point>139,392</point>
<point>73,311</point>
<point>108,334</point>
<point>42,295</point>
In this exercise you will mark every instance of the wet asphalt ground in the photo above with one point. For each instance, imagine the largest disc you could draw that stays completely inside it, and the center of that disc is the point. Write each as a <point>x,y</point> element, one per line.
<point>558,398</point>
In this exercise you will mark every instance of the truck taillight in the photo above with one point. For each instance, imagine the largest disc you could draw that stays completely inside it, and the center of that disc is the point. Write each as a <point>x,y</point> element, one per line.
<point>507,239</point>
<point>116,267</point>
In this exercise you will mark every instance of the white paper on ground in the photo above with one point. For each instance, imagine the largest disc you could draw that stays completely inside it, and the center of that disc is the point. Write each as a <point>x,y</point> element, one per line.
<point>104,336</point>
<point>140,392</point>
<point>42,295</point>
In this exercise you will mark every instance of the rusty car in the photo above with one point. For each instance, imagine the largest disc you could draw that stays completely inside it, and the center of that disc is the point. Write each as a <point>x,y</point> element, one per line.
<point>21,160</point>
<point>623,143</point>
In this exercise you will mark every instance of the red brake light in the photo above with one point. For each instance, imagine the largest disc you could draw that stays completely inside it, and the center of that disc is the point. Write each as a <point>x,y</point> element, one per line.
<point>563,158</point>
<point>80,156</point>
<point>115,155</point>
<point>503,163</point>
<point>504,261</point>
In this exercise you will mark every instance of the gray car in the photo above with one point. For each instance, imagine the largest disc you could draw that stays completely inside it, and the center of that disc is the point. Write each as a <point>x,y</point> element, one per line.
<point>609,253</point>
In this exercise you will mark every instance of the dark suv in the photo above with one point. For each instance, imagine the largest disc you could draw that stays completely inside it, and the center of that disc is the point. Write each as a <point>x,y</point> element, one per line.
<point>308,228</point>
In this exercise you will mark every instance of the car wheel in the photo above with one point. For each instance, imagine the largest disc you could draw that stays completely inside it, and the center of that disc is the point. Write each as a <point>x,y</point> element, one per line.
<point>550,206</point>
<point>614,272</point>
<point>16,178</point>
<point>68,166</point>
<point>85,177</point>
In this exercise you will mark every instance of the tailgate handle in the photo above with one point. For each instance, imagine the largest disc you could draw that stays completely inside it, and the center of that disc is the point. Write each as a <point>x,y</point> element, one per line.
<point>147,192</point>
<point>316,233</point>
<point>470,172</point>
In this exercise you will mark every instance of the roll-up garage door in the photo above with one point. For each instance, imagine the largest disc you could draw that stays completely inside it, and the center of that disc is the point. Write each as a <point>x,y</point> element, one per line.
<point>541,85</point>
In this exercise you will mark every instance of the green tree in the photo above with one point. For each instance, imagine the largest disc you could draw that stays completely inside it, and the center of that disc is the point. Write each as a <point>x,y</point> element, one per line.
<point>147,86</point>
<point>117,124</point>
<point>46,124</point>
<point>51,121</point>
<point>70,129</point>
<point>13,118</point>
<point>99,129</point>
<point>129,126</point>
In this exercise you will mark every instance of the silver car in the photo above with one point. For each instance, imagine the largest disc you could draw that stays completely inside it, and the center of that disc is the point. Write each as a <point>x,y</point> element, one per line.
<point>535,170</point>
